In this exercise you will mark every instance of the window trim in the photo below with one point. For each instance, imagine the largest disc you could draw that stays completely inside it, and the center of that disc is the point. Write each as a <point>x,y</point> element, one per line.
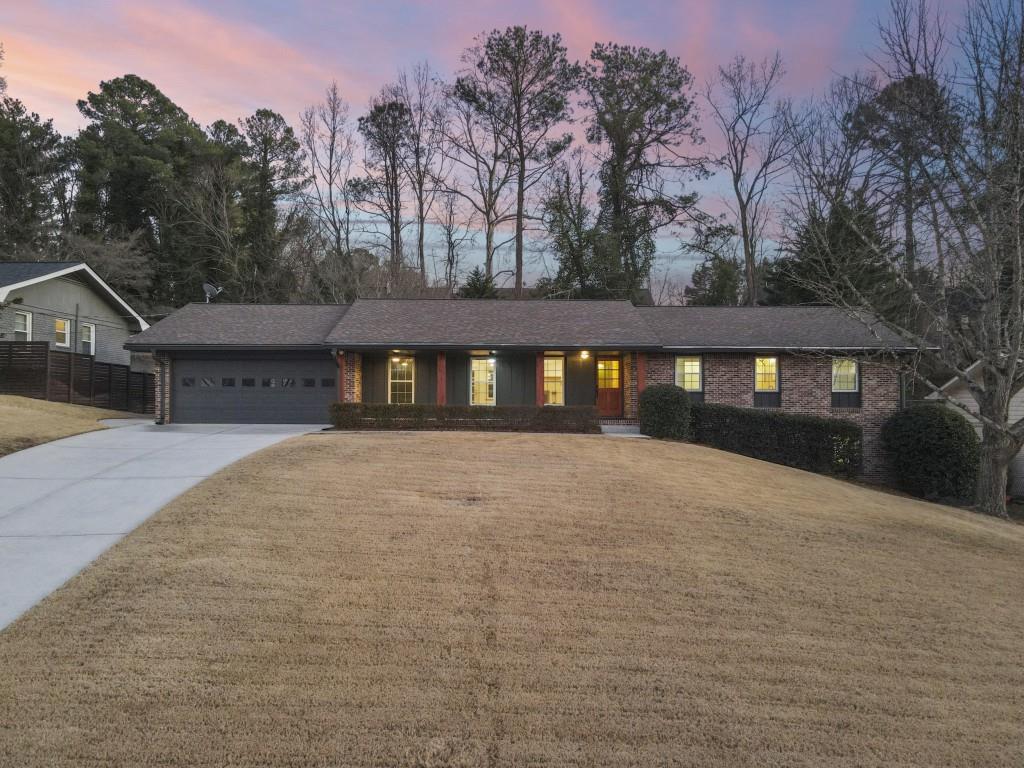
<point>700,371</point>
<point>67,331</point>
<point>856,375</point>
<point>28,323</point>
<point>778,375</point>
<point>561,359</point>
<point>92,337</point>
<point>494,365</point>
<point>392,359</point>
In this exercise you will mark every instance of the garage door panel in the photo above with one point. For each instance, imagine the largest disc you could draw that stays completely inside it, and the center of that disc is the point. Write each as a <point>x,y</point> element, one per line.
<point>282,391</point>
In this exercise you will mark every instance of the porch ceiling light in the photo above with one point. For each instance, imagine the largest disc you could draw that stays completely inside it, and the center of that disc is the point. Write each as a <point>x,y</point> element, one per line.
<point>584,355</point>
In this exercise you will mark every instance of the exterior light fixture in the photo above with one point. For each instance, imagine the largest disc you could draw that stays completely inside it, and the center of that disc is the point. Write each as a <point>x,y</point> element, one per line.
<point>396,359</point>
<point>584,355</point>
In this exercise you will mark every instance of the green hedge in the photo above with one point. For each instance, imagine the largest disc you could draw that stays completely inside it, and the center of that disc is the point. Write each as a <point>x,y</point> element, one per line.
<point>933,451</point>
<point>665,412</point>
<point>500,418</point>
<point>826,446</point>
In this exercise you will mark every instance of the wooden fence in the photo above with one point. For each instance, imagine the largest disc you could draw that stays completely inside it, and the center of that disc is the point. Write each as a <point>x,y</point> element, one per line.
<point>32,369</point>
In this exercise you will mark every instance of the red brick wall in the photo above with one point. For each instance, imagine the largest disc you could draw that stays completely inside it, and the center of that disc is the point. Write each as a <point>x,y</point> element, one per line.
<point>806,387</point>
<point>353,383</point>
<point>162,371</point>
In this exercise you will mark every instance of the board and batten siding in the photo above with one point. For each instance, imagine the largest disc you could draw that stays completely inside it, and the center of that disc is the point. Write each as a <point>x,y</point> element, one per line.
<point>960,393</point>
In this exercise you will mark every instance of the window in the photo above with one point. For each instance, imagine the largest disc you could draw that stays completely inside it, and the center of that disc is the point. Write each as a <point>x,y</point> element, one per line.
<point>206,381</point>
<point>188,381</point>
<point>401,380</point>
<point>845,375</point>
<point>554,381</point>
<point>87,342</point>
<point>608,376</point>
<point>288,383</point>
<point>23,326</point>
<point>62,332</point>
<point>309,382</point>
<point>766,374</point>
<point>481,381</point>
<point>269,382</point>
<point>227,382</point>
<point>688,374</point>
<point>248,382</point>
<point>327,383</point>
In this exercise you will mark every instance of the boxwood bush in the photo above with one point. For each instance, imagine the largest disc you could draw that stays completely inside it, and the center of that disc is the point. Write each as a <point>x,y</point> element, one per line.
<point>665,412</point>
<point>501,418</point>
<point>933,451</point>
<point>826,446</point>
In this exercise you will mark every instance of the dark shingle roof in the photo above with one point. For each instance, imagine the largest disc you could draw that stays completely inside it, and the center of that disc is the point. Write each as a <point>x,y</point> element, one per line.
<point>12,272</point>
<point>485,323</point>
<point>242,325</point>
<point>766,328</point>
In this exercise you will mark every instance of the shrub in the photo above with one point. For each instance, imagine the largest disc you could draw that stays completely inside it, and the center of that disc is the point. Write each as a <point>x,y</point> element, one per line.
<point>665,412</point>
<point>500,418</point>
<point>826,446</point>
<point>933,451</point>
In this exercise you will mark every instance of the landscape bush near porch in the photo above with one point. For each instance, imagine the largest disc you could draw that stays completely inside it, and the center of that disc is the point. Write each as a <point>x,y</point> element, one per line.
<point>665,412</point>
<point>500,418</point>
<point>826,446</point>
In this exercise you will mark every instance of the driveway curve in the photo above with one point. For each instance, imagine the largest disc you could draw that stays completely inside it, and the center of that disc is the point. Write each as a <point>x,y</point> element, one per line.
<point>64,503</point>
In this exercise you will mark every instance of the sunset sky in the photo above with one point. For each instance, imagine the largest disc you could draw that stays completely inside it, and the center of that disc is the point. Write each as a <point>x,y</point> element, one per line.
<point>224,60</point>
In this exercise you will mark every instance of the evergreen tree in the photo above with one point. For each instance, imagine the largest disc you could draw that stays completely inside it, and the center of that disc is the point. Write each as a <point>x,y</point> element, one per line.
<point>478,285</point>
<point>716,282</point>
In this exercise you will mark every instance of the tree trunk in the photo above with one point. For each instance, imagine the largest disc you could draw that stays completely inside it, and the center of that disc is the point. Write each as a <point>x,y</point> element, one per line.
<point>908,221</point>
<point>420,243</point>
<point>489,250</point>
<point>995,453</point>
<point>520,204</point>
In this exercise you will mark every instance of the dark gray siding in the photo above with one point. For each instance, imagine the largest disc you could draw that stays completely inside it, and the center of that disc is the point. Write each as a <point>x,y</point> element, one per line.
<point>375,378</point>
<point>580,380</point>
<point>516,376</point>
<point>298,403</point>
<point>457,378</point>
<point>426,378</point>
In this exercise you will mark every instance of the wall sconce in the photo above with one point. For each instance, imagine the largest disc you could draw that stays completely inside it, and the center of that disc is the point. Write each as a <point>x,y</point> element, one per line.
<point>584,355</point>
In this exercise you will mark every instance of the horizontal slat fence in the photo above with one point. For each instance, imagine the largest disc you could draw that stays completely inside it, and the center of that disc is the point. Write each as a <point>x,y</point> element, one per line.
<point>32,369</point>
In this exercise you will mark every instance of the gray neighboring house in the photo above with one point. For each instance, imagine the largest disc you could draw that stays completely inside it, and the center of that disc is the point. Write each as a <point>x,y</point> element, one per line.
<point>68,305</point>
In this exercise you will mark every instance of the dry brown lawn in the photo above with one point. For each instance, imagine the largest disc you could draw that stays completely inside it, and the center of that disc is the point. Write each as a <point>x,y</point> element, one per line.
<point>473,599</point>
<point>25,422</point>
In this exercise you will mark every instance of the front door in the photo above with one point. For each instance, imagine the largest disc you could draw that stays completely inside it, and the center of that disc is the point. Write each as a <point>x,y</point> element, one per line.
<point>609,387</point>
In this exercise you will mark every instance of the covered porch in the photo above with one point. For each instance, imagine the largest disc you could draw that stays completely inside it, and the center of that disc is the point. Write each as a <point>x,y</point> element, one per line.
<point>607,379</point>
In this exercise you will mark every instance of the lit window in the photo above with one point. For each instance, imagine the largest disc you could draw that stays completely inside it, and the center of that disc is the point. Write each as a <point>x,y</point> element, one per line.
<point>688,374</point>
<point>481,381</point>
<point>608,374</point>
<point>401,380</point>
<point>766,374</point>
<point>87,342</point>
<point>62,332</point>
<point>845,375</point>
<point>554,381</point>
<point>23,326</point>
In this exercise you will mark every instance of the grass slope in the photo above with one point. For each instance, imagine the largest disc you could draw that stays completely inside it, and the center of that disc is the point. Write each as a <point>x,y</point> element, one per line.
<point>472,599</point>
<point>25,422</point>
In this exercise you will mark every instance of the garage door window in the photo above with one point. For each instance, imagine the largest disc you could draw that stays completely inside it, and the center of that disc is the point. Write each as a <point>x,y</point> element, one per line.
<point>188,381</point>
<point>309,382</point>
<point>227,382</point>
<point>327,383</point>
<point>270,382</point>
<point>287,383</point>
<point>206,381</point>
<point>248,382</point>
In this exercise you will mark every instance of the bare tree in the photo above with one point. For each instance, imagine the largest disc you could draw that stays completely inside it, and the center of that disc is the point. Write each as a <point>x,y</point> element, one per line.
<point>478,152</point>
<point>757,148</point>
<point>457,234</point>
<point>328,140</point>
<point>424,99</point>
<point>968,161</point>
<point>385,132</point>
<point>521,81</point>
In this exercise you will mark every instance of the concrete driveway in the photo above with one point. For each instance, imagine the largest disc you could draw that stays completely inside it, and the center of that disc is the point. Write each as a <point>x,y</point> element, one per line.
<point>64,503</point>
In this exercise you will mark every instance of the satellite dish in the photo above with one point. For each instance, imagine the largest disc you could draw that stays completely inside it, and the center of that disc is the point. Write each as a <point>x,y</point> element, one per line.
<point>211,291</point>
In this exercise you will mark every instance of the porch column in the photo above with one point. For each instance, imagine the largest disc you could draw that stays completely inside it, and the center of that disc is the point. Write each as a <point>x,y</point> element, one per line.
<point>341,376</point>
<point>641,372</point>
<point>442,379</point>
<point>540,378</point>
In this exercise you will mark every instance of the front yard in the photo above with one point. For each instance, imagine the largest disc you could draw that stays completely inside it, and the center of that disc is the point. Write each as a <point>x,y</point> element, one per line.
<point>25,422</point>
<point>470,599</point>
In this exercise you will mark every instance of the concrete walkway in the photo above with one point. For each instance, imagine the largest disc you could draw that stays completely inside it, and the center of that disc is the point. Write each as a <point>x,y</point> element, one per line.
<point>64,503</point>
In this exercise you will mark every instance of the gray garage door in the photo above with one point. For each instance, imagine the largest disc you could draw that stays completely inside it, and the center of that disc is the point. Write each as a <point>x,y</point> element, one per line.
<point>254,390</point>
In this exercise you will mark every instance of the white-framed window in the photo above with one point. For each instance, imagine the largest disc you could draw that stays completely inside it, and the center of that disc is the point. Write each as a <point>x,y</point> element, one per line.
<point>766,374</point>
<point>87,339</point>
<point>401,380</point>
<point>23,326</point>
<point>845,375</point>
<point>482,381</point>
<point>62,332</point>
<point>690,373</point>
<point>554,380</point>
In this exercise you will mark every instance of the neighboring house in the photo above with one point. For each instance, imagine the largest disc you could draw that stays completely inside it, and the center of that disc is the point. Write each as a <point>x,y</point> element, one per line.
<point>287,363</point>
<point>955,389</point>
<point>68,305</point>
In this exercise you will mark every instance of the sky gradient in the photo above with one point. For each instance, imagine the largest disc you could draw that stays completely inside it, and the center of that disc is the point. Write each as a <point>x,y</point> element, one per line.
<point>227,59</point>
